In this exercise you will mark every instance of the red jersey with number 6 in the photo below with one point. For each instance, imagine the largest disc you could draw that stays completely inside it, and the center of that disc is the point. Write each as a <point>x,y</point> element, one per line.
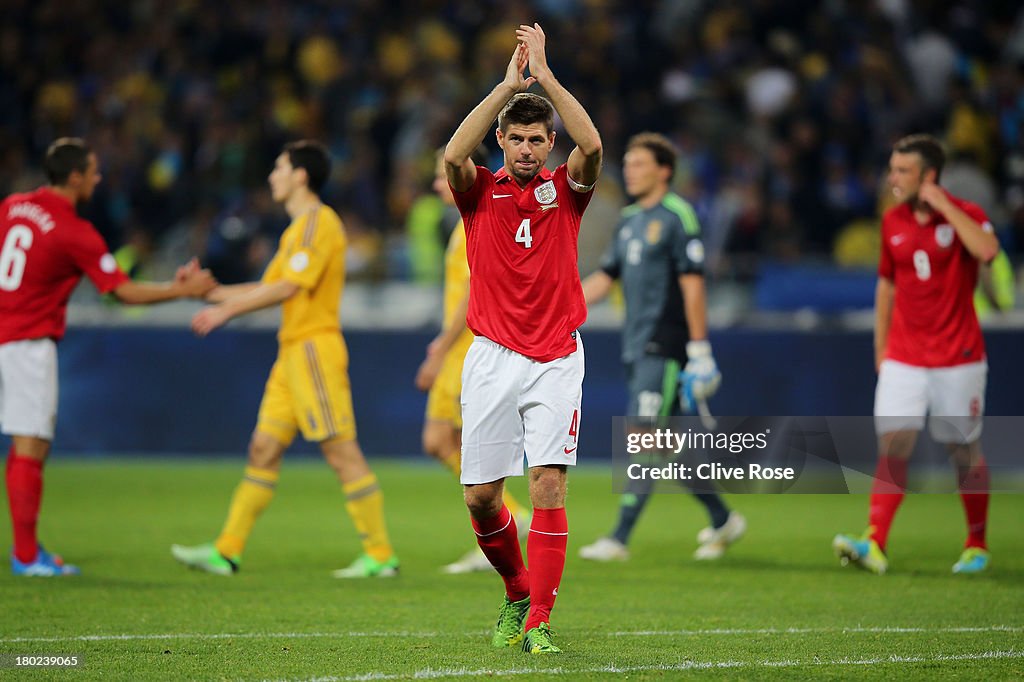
<point>45,248</point>
<point>522,243</point>
<point>933,318</point>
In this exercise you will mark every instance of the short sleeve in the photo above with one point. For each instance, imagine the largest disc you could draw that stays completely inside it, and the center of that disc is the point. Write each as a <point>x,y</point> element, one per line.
<point>885,266</point>
<point>978,215</point>
<point>91,255</point>
<point>577,200</point>
<point>687,244</point>
<point>274,268</point>
<point>611,262</point>
<point>317,243</point>
<point>468,201</point>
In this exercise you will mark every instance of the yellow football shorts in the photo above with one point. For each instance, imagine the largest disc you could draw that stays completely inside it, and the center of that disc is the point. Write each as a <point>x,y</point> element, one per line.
<point>443,401</point>
<point>308,390</point>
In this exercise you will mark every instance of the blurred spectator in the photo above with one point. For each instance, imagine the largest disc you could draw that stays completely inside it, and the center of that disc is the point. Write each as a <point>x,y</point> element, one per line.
<point>784,110</point>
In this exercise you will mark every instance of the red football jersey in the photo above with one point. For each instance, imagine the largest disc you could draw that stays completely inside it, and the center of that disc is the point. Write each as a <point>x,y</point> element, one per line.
<point>933,318</point>
<point>521,242</point>
<point>45,248</point>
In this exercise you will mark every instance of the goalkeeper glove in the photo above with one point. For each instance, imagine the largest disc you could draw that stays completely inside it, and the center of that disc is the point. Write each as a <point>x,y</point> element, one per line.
<point>700,378</point>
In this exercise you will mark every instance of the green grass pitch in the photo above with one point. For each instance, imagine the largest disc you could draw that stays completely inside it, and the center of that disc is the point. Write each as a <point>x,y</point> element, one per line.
<point>777,606</point>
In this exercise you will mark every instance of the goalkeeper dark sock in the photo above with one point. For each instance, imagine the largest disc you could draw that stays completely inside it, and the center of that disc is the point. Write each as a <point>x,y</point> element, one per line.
<point>630,507</point>
<point>716,508</point>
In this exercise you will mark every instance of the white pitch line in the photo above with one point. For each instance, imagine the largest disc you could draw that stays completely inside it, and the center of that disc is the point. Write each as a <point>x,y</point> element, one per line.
<point>804,631</point>
<point>432,673</point>
<point>412,634</point>
<point>222,635</point>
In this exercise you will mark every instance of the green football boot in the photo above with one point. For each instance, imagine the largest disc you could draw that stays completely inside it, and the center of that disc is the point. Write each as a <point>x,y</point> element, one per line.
<point>538,641</point>
<point>508,631</point>
<point>205,558</point>
<point>365,566</point>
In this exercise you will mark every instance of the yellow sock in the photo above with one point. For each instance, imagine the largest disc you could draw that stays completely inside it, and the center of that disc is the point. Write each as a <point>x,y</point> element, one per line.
<point>365,505</point>
<point>251,497</point>
<point>453,462</point>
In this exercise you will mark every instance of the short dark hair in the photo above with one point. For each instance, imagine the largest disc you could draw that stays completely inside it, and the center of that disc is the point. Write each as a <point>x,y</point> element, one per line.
<point>526,108</point>
<point>65,156</point>
<point>659,145</point>
<point>927,147</point>
<point>313,157</point>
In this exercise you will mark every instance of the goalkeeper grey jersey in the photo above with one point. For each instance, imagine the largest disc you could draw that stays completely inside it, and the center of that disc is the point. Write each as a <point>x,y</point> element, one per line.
<point>649,251</point>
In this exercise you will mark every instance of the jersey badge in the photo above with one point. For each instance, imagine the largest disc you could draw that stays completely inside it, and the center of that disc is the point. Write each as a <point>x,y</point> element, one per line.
<point>653,231</point>
<point>299,261</point>
<point>944,235</point>
<point>108,263</point>
<point>545,193</point>
<point>695,251</point>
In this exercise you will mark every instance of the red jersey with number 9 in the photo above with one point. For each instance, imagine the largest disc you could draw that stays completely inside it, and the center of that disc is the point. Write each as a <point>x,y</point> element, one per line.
<point>522,244</point>
<point>45,248</point>
<point>933,318</point>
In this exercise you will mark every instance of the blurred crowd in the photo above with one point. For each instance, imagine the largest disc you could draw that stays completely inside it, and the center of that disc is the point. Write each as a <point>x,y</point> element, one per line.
<point>784,111</point>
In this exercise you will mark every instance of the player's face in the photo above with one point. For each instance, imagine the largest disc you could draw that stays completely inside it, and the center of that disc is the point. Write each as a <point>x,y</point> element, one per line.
<point>526,149</point>
<point>283,179</point>
<point>89,179</point>
<point>905,175</point>
<point>441,187</point>
<point>642,173</point>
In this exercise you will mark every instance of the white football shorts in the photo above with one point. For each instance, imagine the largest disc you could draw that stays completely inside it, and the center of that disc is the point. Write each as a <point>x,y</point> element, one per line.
<point>28,388</point>
<point>953,397</point>
<point>513,407</point>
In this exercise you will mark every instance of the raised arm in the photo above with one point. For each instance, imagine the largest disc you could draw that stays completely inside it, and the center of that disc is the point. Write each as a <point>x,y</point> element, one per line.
<point>584,163</point>
<point>978,241</point>
<point>458,165</point>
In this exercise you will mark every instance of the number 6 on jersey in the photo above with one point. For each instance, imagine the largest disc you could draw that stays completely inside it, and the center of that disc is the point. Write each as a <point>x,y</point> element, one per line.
<point>12,257</point>
<point>523,235</point>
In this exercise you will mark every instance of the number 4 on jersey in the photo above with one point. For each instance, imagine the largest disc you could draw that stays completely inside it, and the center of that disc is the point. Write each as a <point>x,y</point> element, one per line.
<point>523,235</point>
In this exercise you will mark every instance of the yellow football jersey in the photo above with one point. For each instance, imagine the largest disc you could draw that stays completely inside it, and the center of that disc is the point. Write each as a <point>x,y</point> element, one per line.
<point>456,272</point>
<point>311,254</point>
